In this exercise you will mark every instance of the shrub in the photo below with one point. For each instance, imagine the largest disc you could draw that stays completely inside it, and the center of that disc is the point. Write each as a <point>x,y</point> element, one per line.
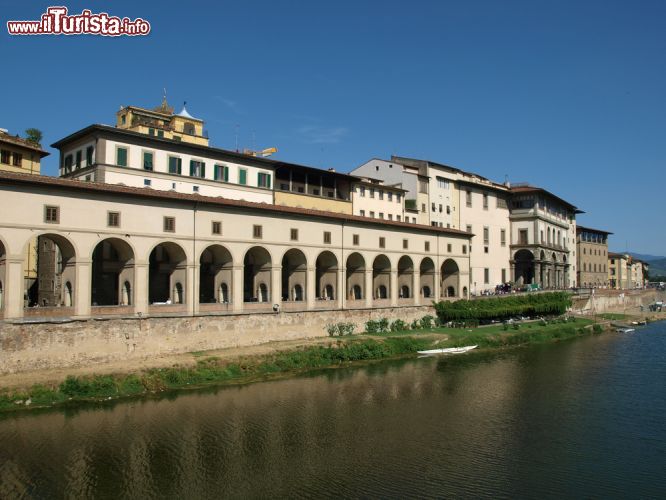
<point>415,324</point>
<point>340,329</point>
<point>427,321</point>
<point>383,325</point>
<point>372,326</point>
<point>398,325</point>
<point>597,328</point>
<point>505,326</point>
<point>516,326</point>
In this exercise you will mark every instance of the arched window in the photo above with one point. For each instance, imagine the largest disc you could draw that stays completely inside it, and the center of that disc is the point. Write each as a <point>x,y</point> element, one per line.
<point>356,292</point>
<point>328,292</point>
<point>426,291</point>
<point>450,292</point>
<point>178,293</point>
<point>381,292</point>
<point>404,292</point>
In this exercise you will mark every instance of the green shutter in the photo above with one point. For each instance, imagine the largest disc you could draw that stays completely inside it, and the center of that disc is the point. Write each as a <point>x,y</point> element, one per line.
<point>268,181</point>
<point>225,170</point>
<point>216,173</point>
<point>191,168</point>
<point>180,166</point>
<point>121,157</point>
<point>203,170</point>
<point>242,176</point>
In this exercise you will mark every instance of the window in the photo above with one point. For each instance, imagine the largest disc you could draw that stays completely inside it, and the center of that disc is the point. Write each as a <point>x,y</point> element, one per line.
<point>449,247</point>
<point>503,238</point>
<point>381,194</point>
<point>486,275</point>
<point>293,234</point>
<point>195,189</point>
<point>113,219</point>
<point>68,163</point>
<point>468,198</point>
<point>372,214</point>
<point>423,209</point>
<point>147,160</point>
<point>434,207</point>
<point>398,218</point>
<point>121,157</point>
<point>160,133</point>
<point>355,239</point>
<point>423,185</point>
<point>382,242</point>
<point>123,119</point>
<point>147,182</point>
<point>151,131</point>
<point>175,165</point>
<point>264,180</point>
<point>485,201</point>
<point>522,236</point>
<point>468,228</point>
<point>257,232</point>
<point>327,237</point>
<point>242,176</point>
<point>390,216</point>
<point>448,209</point>
<point>169,224</point>
<point>362,212</point>
<point>427,246</point>
<point>372,192</point>
<point>216,227</point>
<point>361,191</point>
<point>486,235</point>
<point>501,203</point>
<point>442,183</point>
<point>440,208</point>
<point>390,196</point>
<point>197,169</point>
<point>79,155</point>
<point>464,249</point>
<point>89,155</point>
<point>381,215</point>
<point>405,244</point>
<point>503,275</point>
<point>221,173</point>
<point>4,156</point>
<point>398,198</point>
<point>51,214</point>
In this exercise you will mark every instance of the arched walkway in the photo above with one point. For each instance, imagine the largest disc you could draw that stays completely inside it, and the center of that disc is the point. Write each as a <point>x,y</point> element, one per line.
<point>428,275</point>
<point>215,275</point>
<point>524,265</point>
<point>167,274</point>
<point>355,276</point>
<point>112,273</point>
<point>326,275</point>
<point>257,284</point>
<point>450,278</point>
<point>405,277</point>
<point>294,275</point>
<point>381,277</point>
<point>55,272</point>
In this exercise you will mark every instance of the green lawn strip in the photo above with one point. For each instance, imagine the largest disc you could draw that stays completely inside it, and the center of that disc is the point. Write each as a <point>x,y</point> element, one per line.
<point>213,370</point>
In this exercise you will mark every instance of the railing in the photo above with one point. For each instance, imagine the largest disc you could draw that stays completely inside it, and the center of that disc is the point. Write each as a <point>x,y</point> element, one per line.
<point>111,310</point>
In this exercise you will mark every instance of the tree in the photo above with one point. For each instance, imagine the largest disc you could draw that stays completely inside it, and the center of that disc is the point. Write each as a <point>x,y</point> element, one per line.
<point>34,135</point>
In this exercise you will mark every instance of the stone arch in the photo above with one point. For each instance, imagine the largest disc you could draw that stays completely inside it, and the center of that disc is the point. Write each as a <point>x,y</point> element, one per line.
<point>450,278</point>
<point>54,258</point>
<point>326,275</point>
<point>524,267</point>
<point>167,267</point>
<point>189,128</point>
<point>381,277</point>
<point>428,276</point>
<point>405,277</point>
<point>215,274</point>
<point>257,285</point>
<point>294,275</point>
<point>112,268</point>
<point>356,276</point>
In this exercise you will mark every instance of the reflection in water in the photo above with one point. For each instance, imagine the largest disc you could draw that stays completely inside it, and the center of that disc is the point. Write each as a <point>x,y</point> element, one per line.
<point>581,418</point>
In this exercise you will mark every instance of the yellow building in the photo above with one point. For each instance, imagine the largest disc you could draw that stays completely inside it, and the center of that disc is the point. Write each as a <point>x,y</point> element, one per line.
<point>21,156</point>
<point>162,122</point>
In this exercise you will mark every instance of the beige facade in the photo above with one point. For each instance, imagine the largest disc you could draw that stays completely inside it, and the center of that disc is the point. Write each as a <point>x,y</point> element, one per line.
<point>592,257</point>
<point>131,251</point>
<point>626,272</point>
<point>374,199</point>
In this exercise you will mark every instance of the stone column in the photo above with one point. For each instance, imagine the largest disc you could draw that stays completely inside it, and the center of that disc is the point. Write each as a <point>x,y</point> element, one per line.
<point>13,292</point>
<point>369,292</point>
<point>192,300</point>
<point>141,288</point>
<point>275,295</point>
<point>394,287</point>
<point>537,273</point>
<point>237,289</point>
<point>82,288</point>
<point>512,272</point>
<point>311,287</point>
<point>341,288</point>
<point>437,284</point>
<point>416,287</point>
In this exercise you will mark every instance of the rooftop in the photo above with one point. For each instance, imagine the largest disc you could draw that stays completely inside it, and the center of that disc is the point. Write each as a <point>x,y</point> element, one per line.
<point>24,143</point>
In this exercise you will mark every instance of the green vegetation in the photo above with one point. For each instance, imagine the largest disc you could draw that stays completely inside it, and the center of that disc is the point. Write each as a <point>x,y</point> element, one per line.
<point>498,308</point>
<point>213,370</point>
<point>613,316</point>
<point>340,329</point>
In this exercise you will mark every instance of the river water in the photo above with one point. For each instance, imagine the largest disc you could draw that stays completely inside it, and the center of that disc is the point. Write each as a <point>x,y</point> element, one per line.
<point>579,419</point>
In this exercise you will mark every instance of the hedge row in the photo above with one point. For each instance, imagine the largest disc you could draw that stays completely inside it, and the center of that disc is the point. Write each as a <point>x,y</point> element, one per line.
<point>499,308</point>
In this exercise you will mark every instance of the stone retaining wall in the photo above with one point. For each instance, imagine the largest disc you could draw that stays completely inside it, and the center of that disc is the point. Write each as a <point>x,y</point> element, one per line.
<point>48,345</point>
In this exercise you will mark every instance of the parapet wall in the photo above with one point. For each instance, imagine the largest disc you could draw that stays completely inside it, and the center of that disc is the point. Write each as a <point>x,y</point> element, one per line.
<point>616,301</point>
<point>72,344</point>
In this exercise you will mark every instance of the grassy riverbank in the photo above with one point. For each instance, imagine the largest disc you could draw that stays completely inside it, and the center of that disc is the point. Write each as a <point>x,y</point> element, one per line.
<point>340,351</point>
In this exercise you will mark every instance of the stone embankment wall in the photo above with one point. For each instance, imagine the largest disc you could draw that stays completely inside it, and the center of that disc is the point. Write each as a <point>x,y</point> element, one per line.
<point>48,345</point>
<point>612,301</point>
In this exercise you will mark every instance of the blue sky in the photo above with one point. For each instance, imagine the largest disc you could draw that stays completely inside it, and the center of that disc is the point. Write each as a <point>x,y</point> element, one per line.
<point>567,95</point>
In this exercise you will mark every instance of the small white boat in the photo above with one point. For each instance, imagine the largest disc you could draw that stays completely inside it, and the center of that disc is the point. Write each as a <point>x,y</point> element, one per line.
<point>625,330</point>
<point>448,350</point>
